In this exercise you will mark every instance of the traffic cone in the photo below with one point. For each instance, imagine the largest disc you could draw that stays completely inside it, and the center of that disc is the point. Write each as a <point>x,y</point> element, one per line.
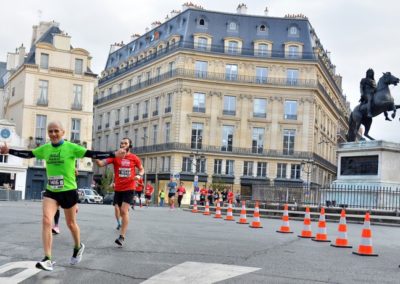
<point>322,235</point>
<point>218,212</point>
<point>207,209</point>
<point>341,240</point>
<point>243,217</point>
<point>195,210</point>
<point>256,223</point>
<point>306,233</point>
<point>229,213</point>
<point>365,248</point>
<point>285,228</point>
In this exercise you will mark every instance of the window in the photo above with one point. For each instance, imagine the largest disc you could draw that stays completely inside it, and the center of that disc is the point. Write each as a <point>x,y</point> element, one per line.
<point>263,28</point>
<point>139,80</point>
<point>199,102</point>
<point>108,119</point>
<point>217,166</point>
<point>197,135</point>
<point>262,50</point>
<point>257,142</point>
<point>262,169</point>
<point>202,43</point>
<point>168,103</point>
<point>281,170</point>
<point>232,26</point>
<point>233,47</point>
<point>148,78</point>
<point>78,66</point>
<point>200,69</point>
<point>135,137</point>
<point>199,164</point>
<point>40,132</point>
<point>261,75</point>
<point>293,31</point>
<point>292,76</point>
<point>288,141</point>
<point>248,168</point>
<point>260,108</point>
<point>167,130</point>
<point>294,51</point>
<point>229,105</point>
<point>43,92</point>
<point>231,72</point>
<point>171,68</point>
<point>295,171</point>
<point>144,137</point>
<point>290,110</point>
<point>155,134</point>
<point>77,92</point>
<point>127,113</point>
<point>137,108</point>
<point>229,167</point>
<point>76,130</point>
<point>156,106</point>
<point>116,140</point>
<point>166,164</point>
<point>107,142</point>
<point>145,109</point>
<point>227,138</point>
<point>100,123</point>
<point>117,116</point>
<point>44,61</point>
<point>186,164</point>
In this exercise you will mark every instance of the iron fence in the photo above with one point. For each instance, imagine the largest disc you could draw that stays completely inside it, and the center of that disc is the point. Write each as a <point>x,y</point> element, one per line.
<point>360,197</point>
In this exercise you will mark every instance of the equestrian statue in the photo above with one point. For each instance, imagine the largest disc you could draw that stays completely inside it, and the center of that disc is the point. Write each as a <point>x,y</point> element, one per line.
<point>375,99</point>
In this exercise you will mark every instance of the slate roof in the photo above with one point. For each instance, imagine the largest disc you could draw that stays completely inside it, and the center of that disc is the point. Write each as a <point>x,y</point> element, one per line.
<point>46,37</point>
<point>3,70</point>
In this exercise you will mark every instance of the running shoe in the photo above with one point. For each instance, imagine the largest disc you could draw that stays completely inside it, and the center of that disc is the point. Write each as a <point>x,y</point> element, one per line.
<point>55,230</point>
<point>120,241</point>
<point>45,264</point>
<point>77,255</point>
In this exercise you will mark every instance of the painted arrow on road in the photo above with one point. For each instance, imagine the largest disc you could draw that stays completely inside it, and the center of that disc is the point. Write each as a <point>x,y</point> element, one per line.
<point>199,273</point>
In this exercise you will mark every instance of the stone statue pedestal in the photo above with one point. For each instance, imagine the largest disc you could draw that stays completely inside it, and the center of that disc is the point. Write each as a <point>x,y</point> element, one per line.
<point>369,164</point>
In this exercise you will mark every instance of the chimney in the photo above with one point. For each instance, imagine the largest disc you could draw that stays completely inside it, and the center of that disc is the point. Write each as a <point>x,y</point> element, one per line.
<point>115,46</point>
<point>146,29</point>
<point>241,9</point>
<point>174,13</point>
<point>155,24</point>
<point>21,55</point>
<point>135,36</point>
<point>266,11</point>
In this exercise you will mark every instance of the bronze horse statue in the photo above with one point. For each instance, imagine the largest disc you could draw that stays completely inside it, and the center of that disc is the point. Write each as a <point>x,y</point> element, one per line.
<point>382,102</point>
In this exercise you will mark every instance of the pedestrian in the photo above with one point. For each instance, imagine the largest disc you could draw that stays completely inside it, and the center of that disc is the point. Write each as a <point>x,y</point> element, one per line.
<point>210,196</point>
<point>138,192</point>
<point>181,191</point>
<point>148,193</point>
<point>162,197</point>
<point>60,157</point>
<point>171,193</point>
<point>125,179</point>
<point>237,198</point>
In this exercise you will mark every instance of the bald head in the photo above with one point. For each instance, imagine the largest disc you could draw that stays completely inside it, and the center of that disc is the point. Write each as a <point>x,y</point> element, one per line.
<point>56,124</point>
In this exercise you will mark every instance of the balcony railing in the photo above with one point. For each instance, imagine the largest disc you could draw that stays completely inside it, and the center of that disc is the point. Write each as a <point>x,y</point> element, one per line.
<point>126,120</point>
<point>42,102</point>
<point>190,74</point>
<point>167,109</point>
<point>75,106</point>
<point>107,125</point>
<point>136,117</point>
<point>155,112</point>
<point>212,49</point>
<point>116,122</point>
<point>199,109</point>
<point>145,115</point>
<point>228,112</point>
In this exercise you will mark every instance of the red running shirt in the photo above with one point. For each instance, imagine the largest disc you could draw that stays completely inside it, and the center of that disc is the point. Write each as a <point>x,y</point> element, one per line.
<point>124,171</point>
<point>149,190</point>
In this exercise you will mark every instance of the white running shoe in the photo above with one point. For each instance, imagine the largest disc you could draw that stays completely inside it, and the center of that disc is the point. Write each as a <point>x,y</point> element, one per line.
<point>45,264</point>
<point>77,256</point>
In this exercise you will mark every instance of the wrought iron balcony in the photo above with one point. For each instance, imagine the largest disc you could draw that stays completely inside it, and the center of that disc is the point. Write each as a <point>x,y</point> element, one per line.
<point>42,102</point>
<point>167,109</point>
<point>76,106</point>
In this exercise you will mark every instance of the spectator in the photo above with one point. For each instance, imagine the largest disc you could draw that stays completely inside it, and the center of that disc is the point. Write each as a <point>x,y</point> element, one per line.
<point>162,197</point>
<point>230,196</point>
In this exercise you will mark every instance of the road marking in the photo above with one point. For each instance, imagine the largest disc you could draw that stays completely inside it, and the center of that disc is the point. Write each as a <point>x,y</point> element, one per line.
<point>28,272</point>
<point>199,273</point>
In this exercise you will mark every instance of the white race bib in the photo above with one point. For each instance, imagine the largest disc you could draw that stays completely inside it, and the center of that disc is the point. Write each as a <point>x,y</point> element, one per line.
<point>124,172</point>
<point>56,182</point>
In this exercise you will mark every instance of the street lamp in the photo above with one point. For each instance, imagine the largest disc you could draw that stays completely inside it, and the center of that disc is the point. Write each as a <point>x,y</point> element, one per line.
<point>196,164</point>
<point>307,167</point>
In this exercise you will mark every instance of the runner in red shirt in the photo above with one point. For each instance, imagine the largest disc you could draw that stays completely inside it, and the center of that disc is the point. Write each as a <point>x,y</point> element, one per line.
<point>148,192</point>
<point>181,191</point>
<point>138,192</point>
<point>125,179</point>
<point>230,196</point>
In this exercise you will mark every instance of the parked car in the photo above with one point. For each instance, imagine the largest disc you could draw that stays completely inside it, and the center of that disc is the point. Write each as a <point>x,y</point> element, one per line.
<point>81,196</point>
<point>91,196</point>
<point>109,198</point>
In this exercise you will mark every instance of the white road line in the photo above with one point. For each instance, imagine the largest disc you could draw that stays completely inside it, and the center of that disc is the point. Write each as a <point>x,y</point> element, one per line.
<point>199,273</point>
<point>29,271</point>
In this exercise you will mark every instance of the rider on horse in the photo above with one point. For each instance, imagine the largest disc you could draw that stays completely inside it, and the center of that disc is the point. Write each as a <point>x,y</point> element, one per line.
<point>368,89</point>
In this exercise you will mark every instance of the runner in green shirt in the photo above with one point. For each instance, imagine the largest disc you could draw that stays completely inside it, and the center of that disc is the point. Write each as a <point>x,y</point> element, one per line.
<point>60,157</point>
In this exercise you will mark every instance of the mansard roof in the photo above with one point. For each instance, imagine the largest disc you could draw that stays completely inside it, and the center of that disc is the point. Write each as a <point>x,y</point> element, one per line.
<point>46,37</point>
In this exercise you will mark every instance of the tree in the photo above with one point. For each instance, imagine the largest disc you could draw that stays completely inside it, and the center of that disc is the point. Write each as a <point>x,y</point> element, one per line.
<point>105,182</point>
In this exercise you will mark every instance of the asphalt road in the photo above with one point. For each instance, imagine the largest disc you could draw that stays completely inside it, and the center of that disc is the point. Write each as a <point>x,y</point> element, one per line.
<point>164,246</point>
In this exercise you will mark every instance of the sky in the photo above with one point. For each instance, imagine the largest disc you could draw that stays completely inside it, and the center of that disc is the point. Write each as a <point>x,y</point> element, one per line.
<point>359,34</point>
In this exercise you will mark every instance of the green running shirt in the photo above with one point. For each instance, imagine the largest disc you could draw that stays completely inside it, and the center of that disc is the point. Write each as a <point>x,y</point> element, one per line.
<point>60,164</point>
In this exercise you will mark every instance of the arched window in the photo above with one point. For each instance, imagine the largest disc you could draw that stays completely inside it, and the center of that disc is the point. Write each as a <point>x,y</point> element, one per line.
<point>232,26</point>
<point>263,28</point>
<point>201,22</point>
<point>293,31</point>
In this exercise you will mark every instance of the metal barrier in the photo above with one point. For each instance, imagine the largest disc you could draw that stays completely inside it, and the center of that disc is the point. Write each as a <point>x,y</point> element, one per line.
<point>10,195</point>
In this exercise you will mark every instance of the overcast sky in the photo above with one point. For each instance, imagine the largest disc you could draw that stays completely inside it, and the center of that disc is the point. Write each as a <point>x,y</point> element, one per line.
<point>359,34</point>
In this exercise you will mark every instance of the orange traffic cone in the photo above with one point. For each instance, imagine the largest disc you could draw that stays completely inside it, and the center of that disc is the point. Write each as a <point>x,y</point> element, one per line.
<point>195,210</point>
<point>243,217</point>
<point>285,228</point>
<point>365,248</point>
<point>218,212</point>
<point>322,235</point>
<point>229,213</point>
<point>207,209</point>
<point>256,223</point>
<point>306,233</point>
<point>341,240</point>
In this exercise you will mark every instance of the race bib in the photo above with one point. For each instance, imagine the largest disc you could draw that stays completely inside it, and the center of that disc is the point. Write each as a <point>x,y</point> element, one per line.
<point>124,172</point>
<point>56,182</point>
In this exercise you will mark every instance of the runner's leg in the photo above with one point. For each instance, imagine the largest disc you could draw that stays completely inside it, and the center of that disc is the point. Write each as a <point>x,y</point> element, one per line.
<point>70,218</point>
<point>125,217</point>
<point>50,207</point>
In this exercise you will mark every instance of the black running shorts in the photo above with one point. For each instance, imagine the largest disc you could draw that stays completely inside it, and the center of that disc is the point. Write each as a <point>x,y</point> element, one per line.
<point>123,196</point>
<point>66,199</point>
<point>171,195</point>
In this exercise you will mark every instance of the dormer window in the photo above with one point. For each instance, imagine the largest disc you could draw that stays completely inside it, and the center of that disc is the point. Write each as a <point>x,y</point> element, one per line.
<point>263,28</point>
<point>201,22</point>
<point>232,26</point>
<point>293,31</point>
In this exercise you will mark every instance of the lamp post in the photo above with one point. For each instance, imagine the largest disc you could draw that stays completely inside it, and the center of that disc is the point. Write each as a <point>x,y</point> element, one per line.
<point>145,173</point>
<point>196,163</point>
<point>307,167</point>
